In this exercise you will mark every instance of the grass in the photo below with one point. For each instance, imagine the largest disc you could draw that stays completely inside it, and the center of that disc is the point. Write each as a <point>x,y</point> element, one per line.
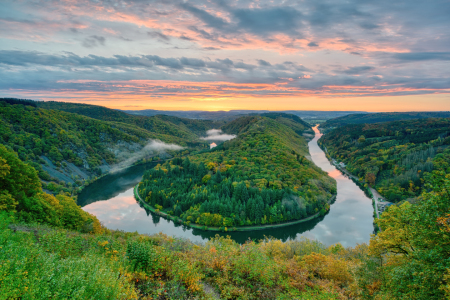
<point>39,262</point>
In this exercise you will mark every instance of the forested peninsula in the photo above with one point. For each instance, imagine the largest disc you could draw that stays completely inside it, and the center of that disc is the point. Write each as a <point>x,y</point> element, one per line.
<point>261,177</point>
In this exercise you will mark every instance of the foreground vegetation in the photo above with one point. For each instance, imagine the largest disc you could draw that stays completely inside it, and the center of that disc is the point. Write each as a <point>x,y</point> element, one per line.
<point>50,248</point>
<point>261,177</point>
<point>393,157</point>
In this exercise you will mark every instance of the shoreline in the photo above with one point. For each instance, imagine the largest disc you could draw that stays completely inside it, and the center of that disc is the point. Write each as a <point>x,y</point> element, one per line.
<point>139,163</point>
<point>227,229</point>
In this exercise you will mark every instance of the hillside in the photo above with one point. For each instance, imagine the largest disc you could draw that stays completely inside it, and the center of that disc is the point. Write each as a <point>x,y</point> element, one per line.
<point>170,125</point>
<point>381,117</point>
<point>294,122</point>
<point>260,177</point>
<point>69,149</point>
<point>393,157</point>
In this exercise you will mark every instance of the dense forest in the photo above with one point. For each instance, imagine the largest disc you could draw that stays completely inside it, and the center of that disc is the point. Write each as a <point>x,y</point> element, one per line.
<point>50,248</point>
<point>70,149</point>
<point>380,117</point>
<point>263,176</point>
<point>393,157</point>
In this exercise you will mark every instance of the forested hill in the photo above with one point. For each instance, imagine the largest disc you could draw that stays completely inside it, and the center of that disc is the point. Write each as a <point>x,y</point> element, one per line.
<point>394,157</point>
<point>293,122</point>
<point>170,125</point>
<point>381,117</point>
<point>260,177</point>
<point>70,149</point>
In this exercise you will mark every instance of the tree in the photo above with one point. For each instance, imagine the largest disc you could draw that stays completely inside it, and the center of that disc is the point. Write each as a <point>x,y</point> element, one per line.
<point>415,244</point>
<point>21,191</point>
<point>370,178</point>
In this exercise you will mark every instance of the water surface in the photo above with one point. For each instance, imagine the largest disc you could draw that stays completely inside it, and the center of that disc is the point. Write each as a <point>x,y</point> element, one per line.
<point>349,221</point>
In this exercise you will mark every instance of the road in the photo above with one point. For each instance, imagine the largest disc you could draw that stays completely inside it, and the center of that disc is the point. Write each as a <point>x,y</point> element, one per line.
<point>376,196</point>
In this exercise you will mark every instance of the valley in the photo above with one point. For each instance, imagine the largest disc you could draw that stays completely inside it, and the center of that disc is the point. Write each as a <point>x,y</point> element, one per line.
<point>269,199</point>
<point>349,221</point>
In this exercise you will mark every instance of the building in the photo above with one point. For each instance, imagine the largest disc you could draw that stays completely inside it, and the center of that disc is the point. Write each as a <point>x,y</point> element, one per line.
<point>212,145</point>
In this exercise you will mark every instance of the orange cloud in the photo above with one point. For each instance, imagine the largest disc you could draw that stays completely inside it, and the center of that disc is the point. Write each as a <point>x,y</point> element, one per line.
<point>176,95</point>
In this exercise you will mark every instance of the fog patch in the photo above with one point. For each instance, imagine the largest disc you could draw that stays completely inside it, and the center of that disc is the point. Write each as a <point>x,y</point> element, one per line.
<point>151,149</point>
<point>217,135</point>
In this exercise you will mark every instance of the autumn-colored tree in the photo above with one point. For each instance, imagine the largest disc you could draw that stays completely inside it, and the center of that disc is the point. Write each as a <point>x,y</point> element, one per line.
<point>370,178</point>
<point>415,245</point>
<point>21,191</point>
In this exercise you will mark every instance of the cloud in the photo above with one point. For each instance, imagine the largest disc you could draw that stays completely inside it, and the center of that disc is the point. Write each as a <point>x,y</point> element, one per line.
<point>154,147</point>
<point>263,63</point>
<point>422,56</point>
<point>158,35</point>
<point>94,41</point>
<point>24,58</point>
<point>225,49</point>
<point>358,70</point>
<point>217,135</point>
<point>211,48</point>
<point>269,20</point>
<point>207,18</point>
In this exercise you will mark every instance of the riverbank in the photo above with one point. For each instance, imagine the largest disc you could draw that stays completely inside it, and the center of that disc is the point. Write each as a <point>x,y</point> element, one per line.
<point>222,229</point>
<point>349,221</point>
<point>76,191</point>
<point>367,190</point>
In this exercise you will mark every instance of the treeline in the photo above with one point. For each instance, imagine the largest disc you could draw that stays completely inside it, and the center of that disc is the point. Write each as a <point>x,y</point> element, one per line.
<point>381,117</point>
<point>261,177</point>
<point>392,157</point>
<point>19,101</point>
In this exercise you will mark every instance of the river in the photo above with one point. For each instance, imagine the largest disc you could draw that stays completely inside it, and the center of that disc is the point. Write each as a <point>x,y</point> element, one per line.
<point>349,221</point>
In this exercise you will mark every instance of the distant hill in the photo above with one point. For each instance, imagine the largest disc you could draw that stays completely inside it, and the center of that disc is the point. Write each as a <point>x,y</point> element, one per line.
<point>233,114</point>
<point>382,117</point>
<point>181,127</point>
<point>292,121</point>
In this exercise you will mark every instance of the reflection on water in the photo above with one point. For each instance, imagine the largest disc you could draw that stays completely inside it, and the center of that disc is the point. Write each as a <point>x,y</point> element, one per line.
<point>348,222</point>
<point>112,185</point>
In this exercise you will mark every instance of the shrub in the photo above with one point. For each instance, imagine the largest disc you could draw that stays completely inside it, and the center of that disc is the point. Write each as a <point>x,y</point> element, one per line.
<point>142,256</point>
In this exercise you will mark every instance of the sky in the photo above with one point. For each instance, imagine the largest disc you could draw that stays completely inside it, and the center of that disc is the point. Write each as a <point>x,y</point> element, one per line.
<point>360,55</point>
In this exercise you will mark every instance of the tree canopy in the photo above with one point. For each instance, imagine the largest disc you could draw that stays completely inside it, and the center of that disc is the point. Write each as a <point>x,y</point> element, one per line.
<point>260,177</point>
<point>392,157</point>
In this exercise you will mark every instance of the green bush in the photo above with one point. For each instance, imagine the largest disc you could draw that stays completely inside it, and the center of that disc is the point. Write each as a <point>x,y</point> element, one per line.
<point>142,256</point>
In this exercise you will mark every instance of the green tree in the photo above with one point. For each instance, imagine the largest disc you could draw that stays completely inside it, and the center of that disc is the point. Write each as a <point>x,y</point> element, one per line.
<point>415,244</point>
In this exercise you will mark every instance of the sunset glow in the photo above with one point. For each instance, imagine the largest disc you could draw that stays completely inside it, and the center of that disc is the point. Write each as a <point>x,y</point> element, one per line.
<point>224,55</point>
